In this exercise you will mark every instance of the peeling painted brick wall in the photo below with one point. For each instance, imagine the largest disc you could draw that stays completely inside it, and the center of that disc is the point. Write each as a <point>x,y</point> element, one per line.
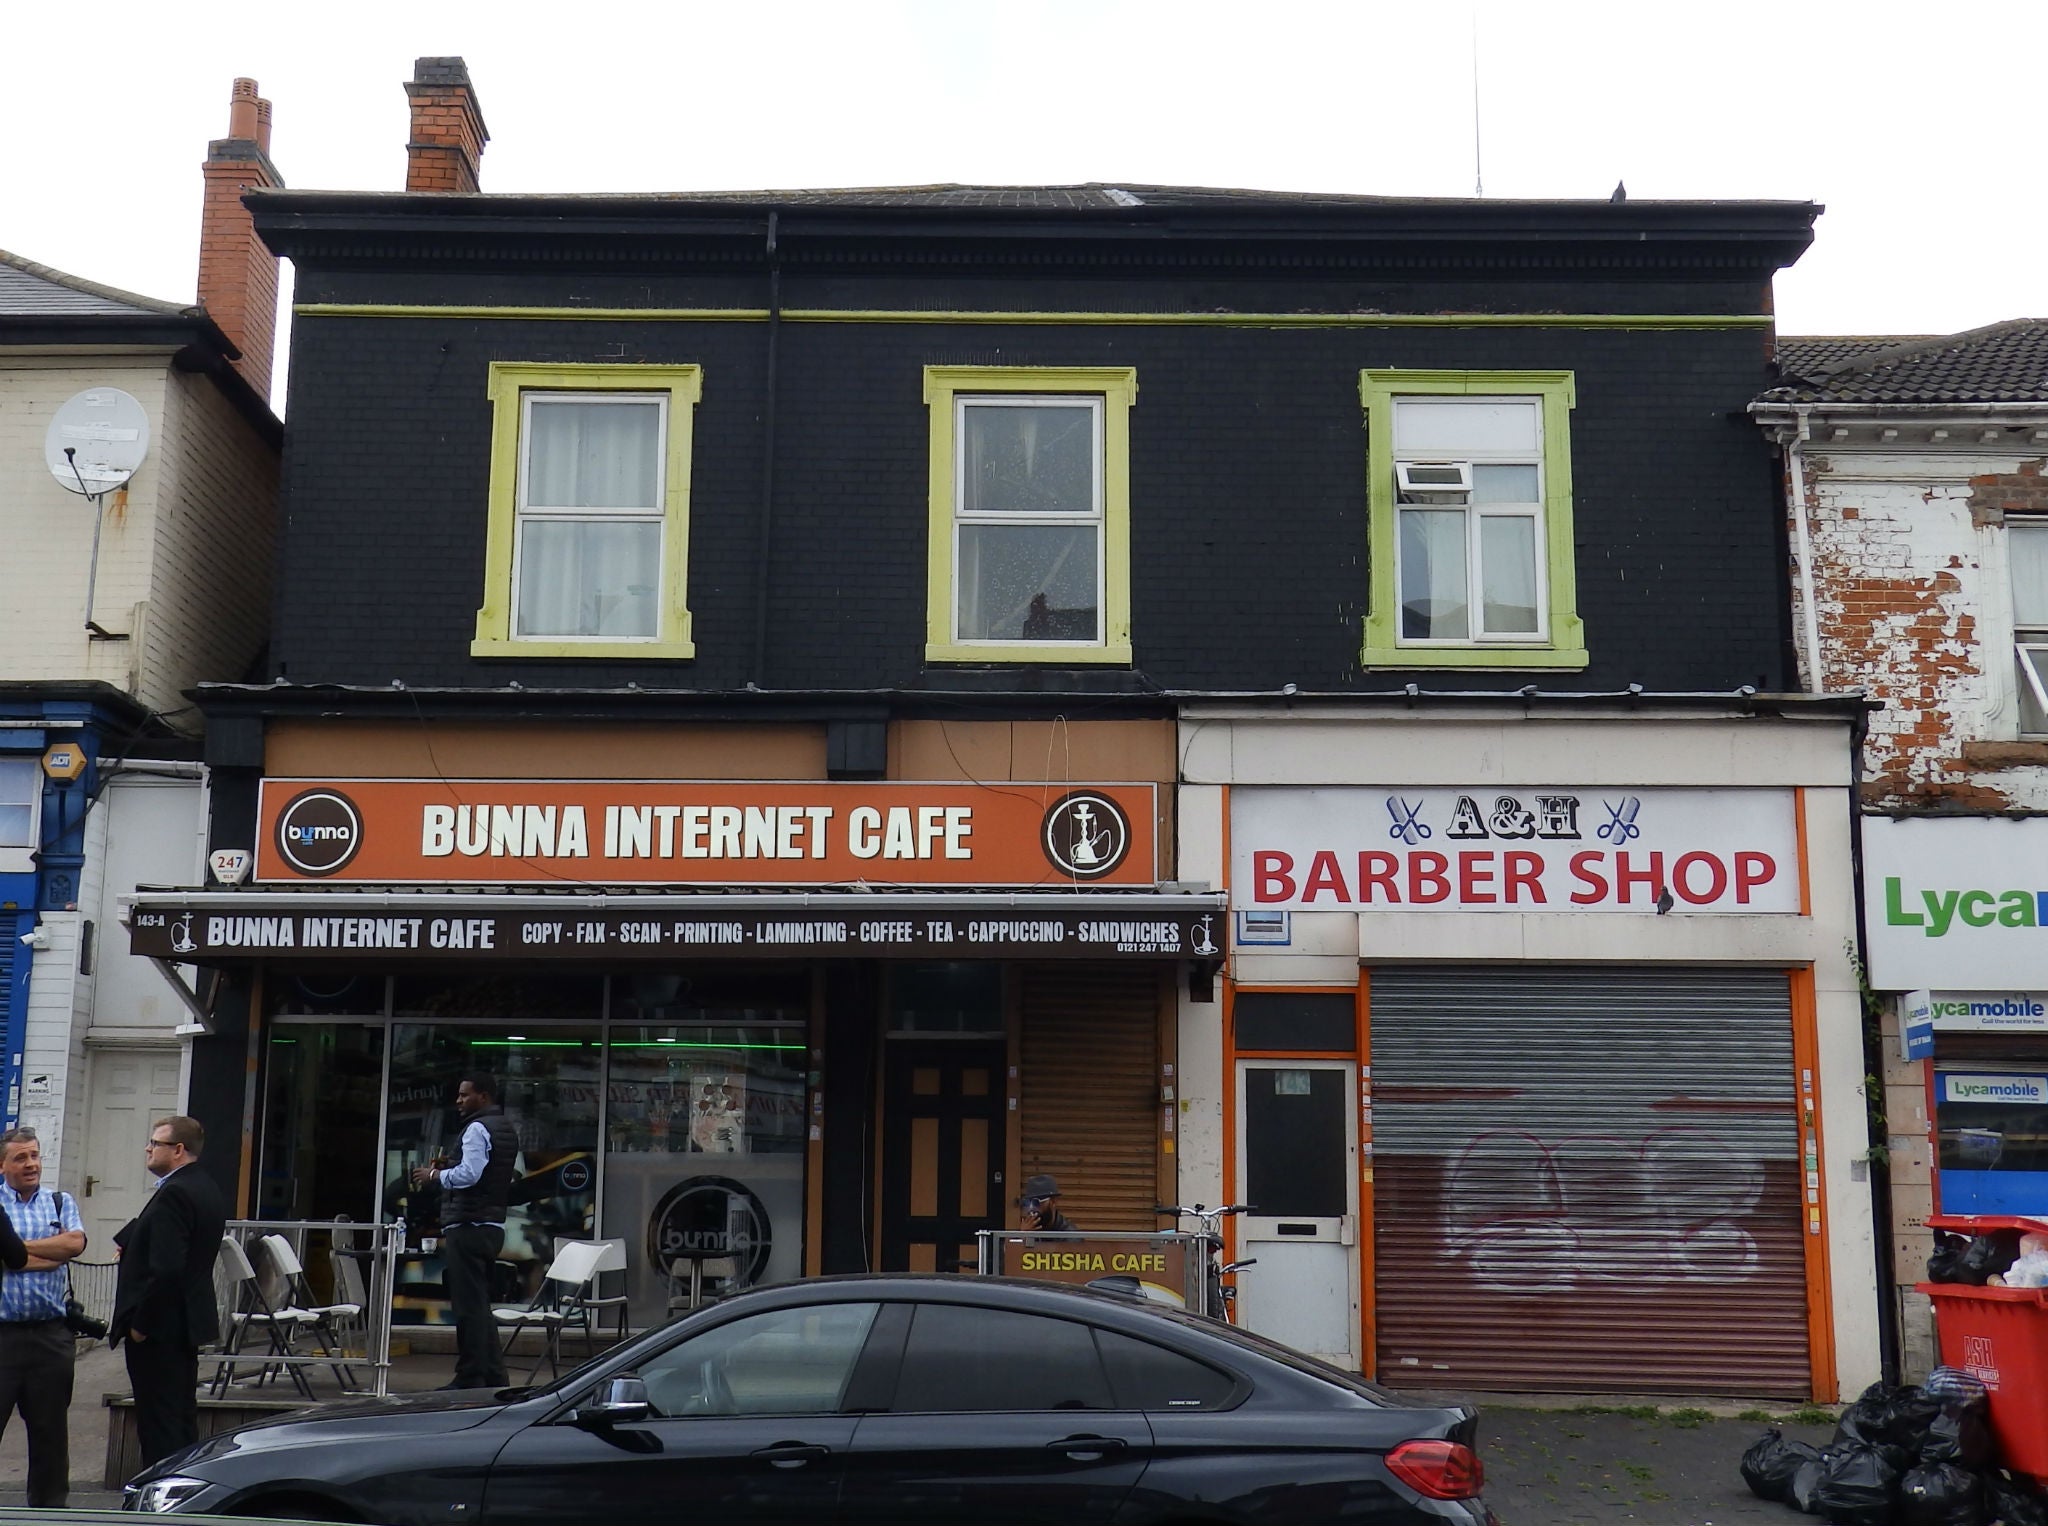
<point>1914,605</point>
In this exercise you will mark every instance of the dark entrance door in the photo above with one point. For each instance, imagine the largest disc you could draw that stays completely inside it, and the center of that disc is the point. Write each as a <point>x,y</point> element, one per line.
<point>942,1150</point>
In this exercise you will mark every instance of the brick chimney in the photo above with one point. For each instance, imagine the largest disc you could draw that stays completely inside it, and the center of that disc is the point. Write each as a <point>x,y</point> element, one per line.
<point>448,133</point>
<point>237,275</point>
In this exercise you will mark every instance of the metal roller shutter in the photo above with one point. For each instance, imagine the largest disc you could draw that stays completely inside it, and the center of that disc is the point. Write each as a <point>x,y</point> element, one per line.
<point>1090,1058</point>
<point>1587,1180</point>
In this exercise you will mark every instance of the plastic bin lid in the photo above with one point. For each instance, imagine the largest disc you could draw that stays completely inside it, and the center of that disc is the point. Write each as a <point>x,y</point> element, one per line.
<point>1979,1223</point>
<point>1965,1292</point>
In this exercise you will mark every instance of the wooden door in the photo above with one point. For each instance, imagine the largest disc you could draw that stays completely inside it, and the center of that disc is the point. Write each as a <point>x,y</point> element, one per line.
<point>942,1151</point>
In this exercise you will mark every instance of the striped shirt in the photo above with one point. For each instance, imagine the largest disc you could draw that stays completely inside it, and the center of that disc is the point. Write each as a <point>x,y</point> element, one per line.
<point>26,1296</point>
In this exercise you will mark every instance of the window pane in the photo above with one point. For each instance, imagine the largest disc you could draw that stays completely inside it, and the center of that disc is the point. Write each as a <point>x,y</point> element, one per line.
<point>1028,583</point>
<point>1434,595</point>
<point>961,1359</point>
<point>1507,570</point>
<point>2029,552</point>
<point>1035,459</point>
<point>790,1362</point>
<point>1504,484</point>
<point>1145,1376</point>
<point>593,455</point>
<point>2033,714</point>
<point>14,827</point>
<point>589,579</point>
<point>1432,426</point>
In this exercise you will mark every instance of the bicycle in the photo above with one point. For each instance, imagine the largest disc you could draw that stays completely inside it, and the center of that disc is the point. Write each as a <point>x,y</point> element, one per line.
<point>1220,1296</point>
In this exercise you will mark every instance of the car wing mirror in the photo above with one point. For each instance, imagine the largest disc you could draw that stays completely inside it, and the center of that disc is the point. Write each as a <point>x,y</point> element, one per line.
<point>618,1401</point>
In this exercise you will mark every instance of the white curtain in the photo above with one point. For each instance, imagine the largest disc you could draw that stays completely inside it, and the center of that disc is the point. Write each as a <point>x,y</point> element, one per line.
<point>589,578</point>
<point>595,455</point>
<point>1434,593</point>
<point>2029,552</point>
<point>1507,574</point>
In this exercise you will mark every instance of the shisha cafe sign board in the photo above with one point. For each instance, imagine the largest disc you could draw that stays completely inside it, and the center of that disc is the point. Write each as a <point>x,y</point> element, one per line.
<point>495,831</point>
<point>1477,849</point>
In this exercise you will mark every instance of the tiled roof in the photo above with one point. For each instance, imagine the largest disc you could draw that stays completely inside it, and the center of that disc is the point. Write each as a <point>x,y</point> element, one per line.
<point>29,290</point>
<point>2000,363</point>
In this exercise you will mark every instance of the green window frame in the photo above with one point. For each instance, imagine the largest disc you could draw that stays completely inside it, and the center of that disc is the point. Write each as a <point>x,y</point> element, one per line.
<point>1112,390</point>
<point>1563,644</point>
<point>511,382</point>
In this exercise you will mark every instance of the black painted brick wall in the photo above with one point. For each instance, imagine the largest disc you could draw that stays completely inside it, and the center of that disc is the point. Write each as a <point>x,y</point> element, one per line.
<point>1248,490</point>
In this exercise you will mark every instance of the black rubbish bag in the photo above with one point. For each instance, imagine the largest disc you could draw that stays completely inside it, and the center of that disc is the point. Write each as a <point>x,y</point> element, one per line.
<point>1806,1482</point>
<point>1988,1253</point>
<point>1908,1413</point>
<point>1946,1264</point>
<point>1941,1494</point>
<point>1959,1434</point>
<point>1858,1487</point>
<point>1865,1419</point>
<point>1770,1463</point>
<point>2012,1500</point>
<point>1954,1387</point>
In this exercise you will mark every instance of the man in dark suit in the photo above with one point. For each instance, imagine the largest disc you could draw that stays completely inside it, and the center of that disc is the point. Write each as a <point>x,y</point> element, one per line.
<point>163,1292</point>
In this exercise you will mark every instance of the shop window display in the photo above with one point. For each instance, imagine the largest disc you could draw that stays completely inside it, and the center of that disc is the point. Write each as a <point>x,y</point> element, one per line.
<point>705,1134</point>
<point>518,1029</point>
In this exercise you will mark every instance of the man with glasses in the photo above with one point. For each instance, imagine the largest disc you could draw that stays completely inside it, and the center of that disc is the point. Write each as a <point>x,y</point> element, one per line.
<point>163,1293</point>
<point>38,1352</point>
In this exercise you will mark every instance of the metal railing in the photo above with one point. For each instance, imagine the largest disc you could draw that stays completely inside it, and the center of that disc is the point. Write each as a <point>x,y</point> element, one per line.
<point>262,1319</point>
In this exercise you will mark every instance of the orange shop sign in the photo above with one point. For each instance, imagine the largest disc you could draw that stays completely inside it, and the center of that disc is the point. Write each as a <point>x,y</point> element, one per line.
<point>616,832</point>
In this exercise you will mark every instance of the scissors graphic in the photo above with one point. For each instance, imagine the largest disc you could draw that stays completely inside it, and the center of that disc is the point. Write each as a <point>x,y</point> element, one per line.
<point>1408,826</point>
<point>1620,826</point>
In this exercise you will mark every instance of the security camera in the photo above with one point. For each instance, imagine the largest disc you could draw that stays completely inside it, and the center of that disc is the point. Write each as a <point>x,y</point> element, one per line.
<point>37,939</point>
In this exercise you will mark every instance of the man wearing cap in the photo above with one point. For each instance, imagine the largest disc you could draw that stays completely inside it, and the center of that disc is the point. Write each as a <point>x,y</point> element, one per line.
<point>1038,1207</point>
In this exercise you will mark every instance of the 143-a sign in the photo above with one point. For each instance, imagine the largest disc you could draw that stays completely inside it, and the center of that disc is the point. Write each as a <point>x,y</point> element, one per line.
<point>1565,849</point>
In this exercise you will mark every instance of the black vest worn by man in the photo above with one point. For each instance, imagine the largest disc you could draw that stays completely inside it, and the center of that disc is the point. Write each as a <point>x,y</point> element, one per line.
<point>486,1201</point>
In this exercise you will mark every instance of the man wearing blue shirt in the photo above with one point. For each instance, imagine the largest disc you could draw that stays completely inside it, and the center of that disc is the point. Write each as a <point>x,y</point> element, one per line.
<point>37,1348</point>
<point>476,1191</point>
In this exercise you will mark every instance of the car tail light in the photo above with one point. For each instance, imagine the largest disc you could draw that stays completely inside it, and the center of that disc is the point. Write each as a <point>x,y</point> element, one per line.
<point>1443,1470</point>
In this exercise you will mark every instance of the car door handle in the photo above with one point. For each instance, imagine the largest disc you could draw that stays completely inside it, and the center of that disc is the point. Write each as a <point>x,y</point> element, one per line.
<point>1088,1448</point>
<point>792,1454</point>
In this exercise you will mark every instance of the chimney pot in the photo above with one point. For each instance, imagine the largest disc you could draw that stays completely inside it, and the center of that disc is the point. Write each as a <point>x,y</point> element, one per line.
<point>242,111</point>
<point>263,124</point>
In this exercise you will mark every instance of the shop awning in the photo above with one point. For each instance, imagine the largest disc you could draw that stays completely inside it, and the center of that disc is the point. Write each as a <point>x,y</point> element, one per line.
<point>226,927</point>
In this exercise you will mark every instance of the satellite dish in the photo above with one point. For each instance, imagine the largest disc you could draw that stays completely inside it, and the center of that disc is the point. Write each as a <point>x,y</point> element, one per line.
<point>97,441</point>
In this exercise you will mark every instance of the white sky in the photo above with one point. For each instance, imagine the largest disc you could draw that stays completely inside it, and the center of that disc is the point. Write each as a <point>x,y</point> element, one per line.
<point>1915,124</point>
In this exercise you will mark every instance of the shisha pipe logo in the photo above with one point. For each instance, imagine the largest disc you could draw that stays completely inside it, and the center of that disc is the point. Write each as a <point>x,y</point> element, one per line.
<point>1086,835</point>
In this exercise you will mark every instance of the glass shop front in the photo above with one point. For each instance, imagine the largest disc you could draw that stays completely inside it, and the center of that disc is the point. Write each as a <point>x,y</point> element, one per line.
<point>662,1108</point>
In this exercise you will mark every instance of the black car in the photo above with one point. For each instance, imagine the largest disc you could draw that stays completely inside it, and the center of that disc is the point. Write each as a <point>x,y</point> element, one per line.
<point>871,1401</point>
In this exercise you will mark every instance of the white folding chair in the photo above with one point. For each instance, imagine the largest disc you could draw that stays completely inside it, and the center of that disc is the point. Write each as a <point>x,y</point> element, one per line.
<point>586,1309</point>
<point>569,1276</point>
<point>254,1310</point>
<point>323,1320</point>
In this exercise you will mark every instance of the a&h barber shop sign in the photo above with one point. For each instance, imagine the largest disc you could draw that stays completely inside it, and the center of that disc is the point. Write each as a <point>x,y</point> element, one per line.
<point>1564,849</point>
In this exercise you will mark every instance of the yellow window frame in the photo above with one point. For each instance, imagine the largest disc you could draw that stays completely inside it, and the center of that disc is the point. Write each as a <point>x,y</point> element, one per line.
<point>1565,650</point>
<point>509,381</point>
<point>1117,386</point>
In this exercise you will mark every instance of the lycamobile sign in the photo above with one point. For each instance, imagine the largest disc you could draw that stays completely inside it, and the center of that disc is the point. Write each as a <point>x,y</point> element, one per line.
<point>1956,904</point>
<point>2028,1090</point>
<point>1937,911</point>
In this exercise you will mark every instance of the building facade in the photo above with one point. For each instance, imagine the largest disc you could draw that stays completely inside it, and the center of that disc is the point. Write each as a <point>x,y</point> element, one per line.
<point>113,603</point>
<point>1920,519</point>
<point>816,680</point>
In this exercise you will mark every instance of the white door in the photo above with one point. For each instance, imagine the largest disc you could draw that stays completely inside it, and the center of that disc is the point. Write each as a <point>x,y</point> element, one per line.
<point>129,1090</point>
<point>1297,1169</point>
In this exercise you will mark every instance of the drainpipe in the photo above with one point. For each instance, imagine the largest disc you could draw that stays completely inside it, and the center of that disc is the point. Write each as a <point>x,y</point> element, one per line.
<point>762,577</point>
<point>1810,617</point>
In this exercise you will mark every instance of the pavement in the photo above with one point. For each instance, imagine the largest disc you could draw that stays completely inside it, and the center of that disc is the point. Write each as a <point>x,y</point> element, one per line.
<point>1549,1461</point>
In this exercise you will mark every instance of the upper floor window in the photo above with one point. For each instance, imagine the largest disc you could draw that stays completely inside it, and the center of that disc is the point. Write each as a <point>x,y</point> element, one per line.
<point>586,555</point>
<point>1471,520</point>
<point>21,781</point>
<point>1030,514</point>
<point>2027,541</point>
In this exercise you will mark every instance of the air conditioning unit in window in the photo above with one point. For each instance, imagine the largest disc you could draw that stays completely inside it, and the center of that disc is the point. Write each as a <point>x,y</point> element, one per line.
<point>1433,481</point>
